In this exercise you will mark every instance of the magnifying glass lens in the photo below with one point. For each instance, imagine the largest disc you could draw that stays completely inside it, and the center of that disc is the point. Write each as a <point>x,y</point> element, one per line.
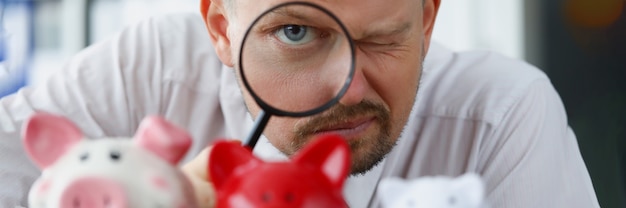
<point>296,58</point>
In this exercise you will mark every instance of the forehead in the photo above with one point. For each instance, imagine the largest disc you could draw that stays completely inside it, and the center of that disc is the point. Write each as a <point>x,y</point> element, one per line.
<point>357,15</point>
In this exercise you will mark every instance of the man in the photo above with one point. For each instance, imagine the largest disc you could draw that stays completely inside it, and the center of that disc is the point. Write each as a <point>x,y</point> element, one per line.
<point>460,112</point>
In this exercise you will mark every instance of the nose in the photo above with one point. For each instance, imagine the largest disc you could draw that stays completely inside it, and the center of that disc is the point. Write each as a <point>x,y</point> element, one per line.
<point>358,87</point>
<point>92,192</point>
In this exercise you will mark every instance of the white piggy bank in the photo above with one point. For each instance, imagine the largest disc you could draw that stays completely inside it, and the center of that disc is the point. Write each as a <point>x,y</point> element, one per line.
<point>466,191</point>
<point>109,172</point>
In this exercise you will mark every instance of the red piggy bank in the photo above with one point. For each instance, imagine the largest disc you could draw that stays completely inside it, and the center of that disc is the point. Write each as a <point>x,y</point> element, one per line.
<point>313,178</point>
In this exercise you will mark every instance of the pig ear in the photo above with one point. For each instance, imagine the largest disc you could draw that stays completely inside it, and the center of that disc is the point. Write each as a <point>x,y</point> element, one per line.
<point>225,157</point>
<point>331,154</point>
<point>46,137</point>
<point>162,138</point>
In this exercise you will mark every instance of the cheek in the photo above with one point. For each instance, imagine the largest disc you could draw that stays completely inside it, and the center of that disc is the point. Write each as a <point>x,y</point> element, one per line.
<point>252,106</point>
<point>394,76</point>
<point>159,183</point>
<point>38,195</point>
<point>399,83</point>
<point>401,94</point>
<point>403,103</point>
<point>235,41</point>
<point>42,188</point>
<point>280,131</point>
<point>398,89</point>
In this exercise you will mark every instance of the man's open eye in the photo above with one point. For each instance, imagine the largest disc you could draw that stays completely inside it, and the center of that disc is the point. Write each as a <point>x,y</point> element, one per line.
<point>296,34</point>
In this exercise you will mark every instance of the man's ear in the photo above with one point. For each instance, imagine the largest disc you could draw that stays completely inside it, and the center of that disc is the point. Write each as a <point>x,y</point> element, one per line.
<point>431,7</point>
<point>215,17</point>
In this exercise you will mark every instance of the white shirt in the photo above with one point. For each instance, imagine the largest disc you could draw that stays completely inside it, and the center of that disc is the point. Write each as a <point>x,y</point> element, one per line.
<point>475,112</point>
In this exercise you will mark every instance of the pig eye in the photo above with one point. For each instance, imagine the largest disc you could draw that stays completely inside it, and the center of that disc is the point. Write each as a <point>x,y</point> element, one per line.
<point>115,155</point>
<point>84,157</point>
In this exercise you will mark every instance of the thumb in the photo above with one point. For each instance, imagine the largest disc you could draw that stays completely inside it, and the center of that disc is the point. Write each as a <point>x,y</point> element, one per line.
<point>196,171</point>
<point>199,165</point>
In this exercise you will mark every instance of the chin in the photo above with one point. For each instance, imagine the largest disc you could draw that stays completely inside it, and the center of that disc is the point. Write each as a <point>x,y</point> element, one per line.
<point>368,154</point>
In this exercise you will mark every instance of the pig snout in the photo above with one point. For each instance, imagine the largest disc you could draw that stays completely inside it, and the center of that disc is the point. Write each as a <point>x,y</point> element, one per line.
<point>92,192</point>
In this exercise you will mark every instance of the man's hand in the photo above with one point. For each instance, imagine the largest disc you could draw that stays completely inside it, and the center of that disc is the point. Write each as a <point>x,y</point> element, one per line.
<point>196,171</point>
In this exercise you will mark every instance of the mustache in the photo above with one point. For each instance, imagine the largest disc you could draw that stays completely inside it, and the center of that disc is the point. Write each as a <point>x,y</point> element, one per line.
<point>340,114</point>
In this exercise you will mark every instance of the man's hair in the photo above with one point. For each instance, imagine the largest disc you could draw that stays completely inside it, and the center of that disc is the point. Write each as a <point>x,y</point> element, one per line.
<point>229,4</point>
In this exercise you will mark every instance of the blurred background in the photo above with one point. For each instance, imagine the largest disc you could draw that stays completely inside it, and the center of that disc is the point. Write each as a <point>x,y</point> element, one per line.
<point>580,44</point>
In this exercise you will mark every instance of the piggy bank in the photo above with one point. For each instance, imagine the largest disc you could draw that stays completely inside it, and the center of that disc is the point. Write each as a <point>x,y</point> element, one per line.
<point>466,191</point>
<point>107,172</point>
<point>314,177</point>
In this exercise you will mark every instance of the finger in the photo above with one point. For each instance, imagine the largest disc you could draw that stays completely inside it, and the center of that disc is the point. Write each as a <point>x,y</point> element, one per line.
<point>204,192</point>
<point>199,165</point>
<point>196,171</point>
<point>196,174</point>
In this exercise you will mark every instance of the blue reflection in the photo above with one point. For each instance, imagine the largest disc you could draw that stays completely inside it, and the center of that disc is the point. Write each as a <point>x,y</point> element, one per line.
<point>15,44</point>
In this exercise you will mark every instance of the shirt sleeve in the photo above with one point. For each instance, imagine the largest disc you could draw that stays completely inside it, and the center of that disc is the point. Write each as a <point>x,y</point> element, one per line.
<point>535,160</point>
<point>104,90</point>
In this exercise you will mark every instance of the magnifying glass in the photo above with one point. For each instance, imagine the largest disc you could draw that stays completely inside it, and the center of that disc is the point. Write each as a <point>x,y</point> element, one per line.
<point>296,59</point>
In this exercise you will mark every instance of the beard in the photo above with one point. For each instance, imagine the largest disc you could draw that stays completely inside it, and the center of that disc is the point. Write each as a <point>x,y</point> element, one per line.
<point>366,151</point>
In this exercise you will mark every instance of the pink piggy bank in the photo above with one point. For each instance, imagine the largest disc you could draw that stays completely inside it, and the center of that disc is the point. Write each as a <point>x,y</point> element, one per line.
<point>112,173</point>
<point>313,178</point>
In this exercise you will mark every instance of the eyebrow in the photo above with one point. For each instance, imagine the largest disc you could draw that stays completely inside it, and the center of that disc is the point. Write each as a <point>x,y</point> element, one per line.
<point>309,17</point>
<point>373,33</point>
<point>384,31</point>
<point>291,13</point>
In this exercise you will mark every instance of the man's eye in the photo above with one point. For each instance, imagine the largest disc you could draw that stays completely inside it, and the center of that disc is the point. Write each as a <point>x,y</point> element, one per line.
<point>296,34</point>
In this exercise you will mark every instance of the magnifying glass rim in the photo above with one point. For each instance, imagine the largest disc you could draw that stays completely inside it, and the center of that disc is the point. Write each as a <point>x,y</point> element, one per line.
<point>278,112</point>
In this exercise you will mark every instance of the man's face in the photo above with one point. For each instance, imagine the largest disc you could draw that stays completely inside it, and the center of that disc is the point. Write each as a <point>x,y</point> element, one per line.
<point>390,41</point>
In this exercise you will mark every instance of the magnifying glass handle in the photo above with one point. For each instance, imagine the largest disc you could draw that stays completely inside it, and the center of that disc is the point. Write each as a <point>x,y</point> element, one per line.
<point>259,126</point>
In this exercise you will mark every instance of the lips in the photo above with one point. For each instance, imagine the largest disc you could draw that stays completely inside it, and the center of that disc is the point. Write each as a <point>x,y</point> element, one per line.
<point>348,129</point>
